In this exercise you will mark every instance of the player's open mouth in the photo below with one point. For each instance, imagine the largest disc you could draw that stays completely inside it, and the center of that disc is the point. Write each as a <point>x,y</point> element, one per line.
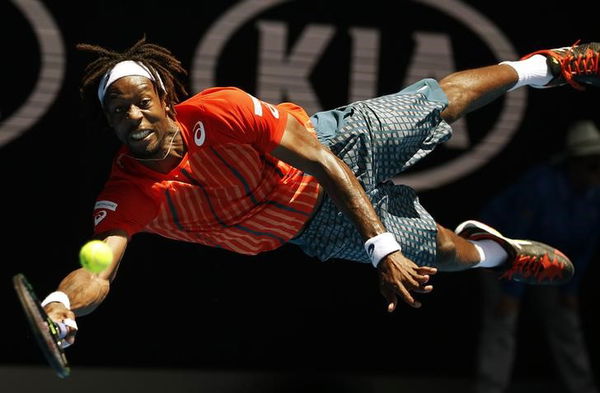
<point>139,135</point>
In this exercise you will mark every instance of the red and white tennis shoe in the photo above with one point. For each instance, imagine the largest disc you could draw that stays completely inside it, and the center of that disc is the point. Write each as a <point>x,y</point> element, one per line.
<point>577,65</point>
<point>528,261</point>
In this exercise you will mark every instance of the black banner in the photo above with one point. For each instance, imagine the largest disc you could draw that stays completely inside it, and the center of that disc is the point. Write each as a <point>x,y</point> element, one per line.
<point>182,305</point>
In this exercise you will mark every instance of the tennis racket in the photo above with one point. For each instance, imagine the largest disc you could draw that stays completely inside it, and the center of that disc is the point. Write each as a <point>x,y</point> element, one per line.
<point>48,333</point>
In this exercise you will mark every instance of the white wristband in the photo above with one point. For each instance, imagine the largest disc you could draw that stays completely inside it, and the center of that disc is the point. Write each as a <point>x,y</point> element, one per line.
<point>57,296</point>
<point>380,246</point>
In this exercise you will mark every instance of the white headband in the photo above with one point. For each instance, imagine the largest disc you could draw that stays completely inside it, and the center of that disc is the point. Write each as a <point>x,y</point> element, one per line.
<point>120,70</point>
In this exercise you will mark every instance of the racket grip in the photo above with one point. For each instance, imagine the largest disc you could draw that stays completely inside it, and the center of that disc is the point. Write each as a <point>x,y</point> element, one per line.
<point>63,329</point>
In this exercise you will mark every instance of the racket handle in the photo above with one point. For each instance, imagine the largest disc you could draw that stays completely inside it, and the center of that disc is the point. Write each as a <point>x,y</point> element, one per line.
<point>63,329</point>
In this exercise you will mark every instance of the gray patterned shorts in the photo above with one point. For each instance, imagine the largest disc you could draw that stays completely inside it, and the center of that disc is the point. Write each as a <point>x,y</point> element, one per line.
<point>379,138</point>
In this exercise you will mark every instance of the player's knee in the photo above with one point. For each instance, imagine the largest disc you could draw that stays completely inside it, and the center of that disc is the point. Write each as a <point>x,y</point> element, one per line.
<point>454,252</point>
<point>446,251</point>
<point>456,98</point>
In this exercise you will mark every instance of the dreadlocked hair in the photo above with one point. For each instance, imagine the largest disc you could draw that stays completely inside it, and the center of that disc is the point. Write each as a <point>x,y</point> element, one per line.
<point>159,61</point>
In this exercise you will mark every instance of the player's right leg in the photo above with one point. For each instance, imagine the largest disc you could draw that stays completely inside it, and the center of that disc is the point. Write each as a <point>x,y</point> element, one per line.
<point>577,65</point>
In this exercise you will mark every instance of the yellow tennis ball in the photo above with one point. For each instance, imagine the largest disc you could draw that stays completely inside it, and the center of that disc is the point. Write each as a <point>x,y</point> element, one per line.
<point>95,256</point>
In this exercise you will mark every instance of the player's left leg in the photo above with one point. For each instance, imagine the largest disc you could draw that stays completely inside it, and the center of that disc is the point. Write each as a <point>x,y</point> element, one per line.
<point>578,65</point>
<point>474,244</point>
<point>454,253</point>
<point>524,261</point>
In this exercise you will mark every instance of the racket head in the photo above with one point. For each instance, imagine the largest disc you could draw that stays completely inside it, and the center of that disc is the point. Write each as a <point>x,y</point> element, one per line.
<point>43,328</point>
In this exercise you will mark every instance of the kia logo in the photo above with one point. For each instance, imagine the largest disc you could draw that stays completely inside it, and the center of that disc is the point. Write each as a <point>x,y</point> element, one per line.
<point>284,67</point>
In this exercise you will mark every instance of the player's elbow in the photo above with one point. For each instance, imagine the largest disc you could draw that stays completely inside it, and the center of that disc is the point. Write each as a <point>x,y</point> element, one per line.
<point>331,172</point>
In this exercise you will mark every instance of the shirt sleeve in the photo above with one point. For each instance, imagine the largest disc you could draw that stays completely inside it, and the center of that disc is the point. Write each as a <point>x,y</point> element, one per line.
<point>123,206</point>
<point>244,118</point>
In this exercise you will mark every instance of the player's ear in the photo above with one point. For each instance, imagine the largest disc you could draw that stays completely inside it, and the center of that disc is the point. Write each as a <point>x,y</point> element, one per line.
<point>169,111</point>
<point>165,103</point>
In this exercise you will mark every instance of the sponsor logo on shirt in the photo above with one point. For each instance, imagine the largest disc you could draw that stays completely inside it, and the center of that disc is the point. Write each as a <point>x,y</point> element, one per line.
<point>99,216</point>
<point>199,134</point>
<point>105,205</point>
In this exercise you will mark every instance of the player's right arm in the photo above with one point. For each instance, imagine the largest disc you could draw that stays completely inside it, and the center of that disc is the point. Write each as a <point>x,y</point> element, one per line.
<point>84,290</point>
<point>123,208</point>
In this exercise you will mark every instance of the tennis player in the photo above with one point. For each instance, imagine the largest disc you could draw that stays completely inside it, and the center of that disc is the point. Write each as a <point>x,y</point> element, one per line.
<point>224,169</point>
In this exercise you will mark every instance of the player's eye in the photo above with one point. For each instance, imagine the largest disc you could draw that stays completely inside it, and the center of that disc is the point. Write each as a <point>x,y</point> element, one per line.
<point>145,103</point>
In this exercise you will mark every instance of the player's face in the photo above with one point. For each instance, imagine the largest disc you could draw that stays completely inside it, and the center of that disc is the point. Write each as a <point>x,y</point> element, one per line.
<point>140,119</point>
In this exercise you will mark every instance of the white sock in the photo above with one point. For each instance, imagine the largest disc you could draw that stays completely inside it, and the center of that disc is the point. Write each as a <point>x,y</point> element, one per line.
<point>532,72</point>
<point>491,254</point>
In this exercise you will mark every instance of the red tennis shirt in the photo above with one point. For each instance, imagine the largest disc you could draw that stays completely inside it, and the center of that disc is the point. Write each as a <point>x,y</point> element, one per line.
<point>228,191</point>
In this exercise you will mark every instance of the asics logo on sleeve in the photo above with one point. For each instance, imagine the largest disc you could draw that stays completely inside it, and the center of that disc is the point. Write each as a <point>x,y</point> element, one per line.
<point>99,216</point>
<point>199,134</point>
<point>104,205</point>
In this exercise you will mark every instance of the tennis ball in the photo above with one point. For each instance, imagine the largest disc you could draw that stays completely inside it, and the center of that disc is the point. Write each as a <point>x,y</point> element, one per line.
<point>95,256</point>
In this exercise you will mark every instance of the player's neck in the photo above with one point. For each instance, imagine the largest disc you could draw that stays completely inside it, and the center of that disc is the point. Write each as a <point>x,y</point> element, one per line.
<point>174,153</point>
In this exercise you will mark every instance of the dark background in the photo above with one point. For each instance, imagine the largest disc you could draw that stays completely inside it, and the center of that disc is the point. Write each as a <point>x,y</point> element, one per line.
<point>186,306</point>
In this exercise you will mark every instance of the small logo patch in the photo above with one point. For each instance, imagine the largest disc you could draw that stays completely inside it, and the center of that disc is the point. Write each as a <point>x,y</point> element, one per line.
<point>199,134</point>
<point>99,216</point>
<point>105,205</point>
<point>370,250</point>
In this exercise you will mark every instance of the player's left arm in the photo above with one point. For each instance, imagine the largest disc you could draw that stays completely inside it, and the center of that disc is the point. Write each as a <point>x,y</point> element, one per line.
<point>299,148</point>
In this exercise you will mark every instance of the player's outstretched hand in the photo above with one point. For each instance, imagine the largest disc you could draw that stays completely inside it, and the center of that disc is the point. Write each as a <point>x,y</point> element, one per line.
<point>399,276</point>
<point>59,313</point>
